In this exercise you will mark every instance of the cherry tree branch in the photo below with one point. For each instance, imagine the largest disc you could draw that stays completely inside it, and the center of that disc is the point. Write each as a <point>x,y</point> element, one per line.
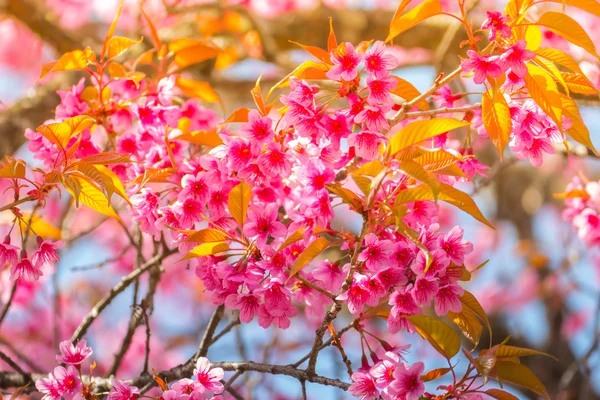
<point>115,291</point>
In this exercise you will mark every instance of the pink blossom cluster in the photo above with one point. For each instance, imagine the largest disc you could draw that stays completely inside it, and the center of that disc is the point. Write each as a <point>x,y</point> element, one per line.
<point>22,265</point>
<point>582,202</point>
<point>66,382</point>
<point>390,378</point>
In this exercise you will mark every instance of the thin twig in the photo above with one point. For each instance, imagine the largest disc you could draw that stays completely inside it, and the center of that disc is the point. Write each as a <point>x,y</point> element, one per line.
<point>209,332</point>
<point>114,292</point>
<point>225,330</point>
<point>12,364</point>
<point>9,302</point>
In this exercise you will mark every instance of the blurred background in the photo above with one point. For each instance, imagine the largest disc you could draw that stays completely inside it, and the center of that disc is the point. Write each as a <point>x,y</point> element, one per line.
<point>541,285</point>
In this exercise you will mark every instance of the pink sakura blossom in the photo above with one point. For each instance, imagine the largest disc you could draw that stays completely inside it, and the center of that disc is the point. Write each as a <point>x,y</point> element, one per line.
<point>496,22</point>
<point>316,176</point>
<point>378,62</point>
<point>424,290</point>
<point>363,386</point>
<point>407,381</point>
<point>275,161</point>
<point>447,299</point>
<point>515,57</point>
<point>8,253</point>
<point>455,247</point>
<point>186,387</point>
<point>123,391</point>
<point>357,295</point>
<point>258,128</point>
<point>366,144</point>
<point>383,371</point>
<point>534,151</point>
<point>373,117</point>
<point>239,153</point>
<point>195,186</point>
<point>46,255</point>
<point>208,377</point>
<point>247,304</point>
<point>329,274</point>
<point>337,126</point>
<point>261,223</point>
<point>266,316</point>
<point>74,355</point>
<point>25,269</point>
<point>379,90</point>
<point>445,98</point>
<point>68,381</point>
<point>345,63</point>
<point>376,252</point>
<point>49,387</point>
<point>188,212</point>
<point>482,65</point>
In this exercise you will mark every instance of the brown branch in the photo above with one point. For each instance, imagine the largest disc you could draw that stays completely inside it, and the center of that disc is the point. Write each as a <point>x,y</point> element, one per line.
<point>12,364</point>
<point>9,302</point>
<point>208,333</point>
<point>116,290</point>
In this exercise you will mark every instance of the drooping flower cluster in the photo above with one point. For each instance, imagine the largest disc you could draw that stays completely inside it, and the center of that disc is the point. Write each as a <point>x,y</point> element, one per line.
<point>29,268</point>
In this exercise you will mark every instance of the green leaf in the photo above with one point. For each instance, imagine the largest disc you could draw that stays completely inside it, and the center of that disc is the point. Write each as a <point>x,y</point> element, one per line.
<point>313,250</point>
<point>419,131</point>
<point>239,201</point>
<point>442,337</point>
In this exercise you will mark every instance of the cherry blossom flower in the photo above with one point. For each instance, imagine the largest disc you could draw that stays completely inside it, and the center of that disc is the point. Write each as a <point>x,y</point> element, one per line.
<point>378,61</point>
<point>482,65</point>
<point>515,57</point>
<point>8,253</point>
<point>496,22</point>
<point>46,255</point>
<point>74,355</point>
<point>25,269</point>
<point>363,386</point>
<point>261,223</point>
<point>366,144</point>
<point>68,381</point>
<point>123,391</point>
<point>407,381</point>
<point>345,63</point>
<point>208,377</point>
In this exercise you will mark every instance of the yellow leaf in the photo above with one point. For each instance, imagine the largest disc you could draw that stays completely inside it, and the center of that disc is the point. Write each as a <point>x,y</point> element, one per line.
<point>60,133</point>
<point>421,12</point>
<point>115,70</point>
<point>500,394</point>
<point>516,9</point>
<point>92,196</point>
<point>107,158</point>
<point>198,89</point>
<point>135,77</point>
<point>435,374</point>
<point>154,33</point>
<point>543,91</point>
<point>12,168</point>
<point>239,201</point>
<point>154,175</point>
<point>372,168</point>
<point>112,183</point>
<point>578,130</point>
<point>71,61</point>
<point>443,338</point>
<point>520,375</point>
<point>568,28</point>
<point>419,131</point>
<point>412,236</point>
<point>363,183</point>
<point>111,30</point>
<point>119,44</point>
<point>204,138</point>
<point>313,250</point>
<point>495,114</point>
<point>293,238</point>
<point>533,37</point>
<point>332,43</point>
<point>207,249</point>
<point>307,70</point>
<point>408,92</point>
<point>347,196</point>
<point>258,99</point>
<point>470,302</point>
<point>505,351</point>
<point>417,172</point>
<point>316,52</point>
<point>550,68</point>
<point>207,235</point>
<point>469,325</point>
<point>435,160</point>
<point>192,51</point>
<point>447,194</point>
<point>559,58</point>
<point>43,228</point>
<point>591,6</point>
<point>579,84</point>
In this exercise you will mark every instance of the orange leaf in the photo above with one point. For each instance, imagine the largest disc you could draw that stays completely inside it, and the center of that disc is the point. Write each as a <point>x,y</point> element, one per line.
<point>119,44</point>
<point>421,12</point>
<point>495,114</point>
<point>258,99</point>
<point>155,38</point>
<point>71,61</point>
<point>332,43</point>
<point>239,115</point>
<point>408,92</point>
<point>316,52</point>
<point>198,89</point>
<point>111,30</point>
<point>12,168</point>
<point>192,51</point>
